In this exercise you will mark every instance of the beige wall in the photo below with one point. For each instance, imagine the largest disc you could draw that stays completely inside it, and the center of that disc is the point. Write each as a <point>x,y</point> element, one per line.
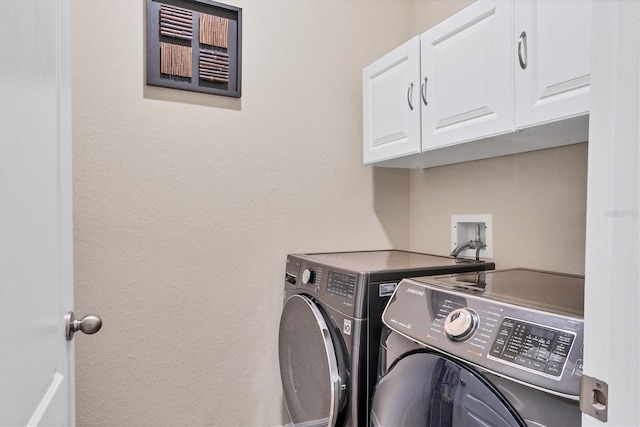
<point>187,204</point>
<point>538,200</point>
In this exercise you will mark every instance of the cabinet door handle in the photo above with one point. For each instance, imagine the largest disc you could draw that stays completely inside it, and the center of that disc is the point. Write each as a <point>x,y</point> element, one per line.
<point>410,95</point>
<point>423,92</point>
<point>522,43</point>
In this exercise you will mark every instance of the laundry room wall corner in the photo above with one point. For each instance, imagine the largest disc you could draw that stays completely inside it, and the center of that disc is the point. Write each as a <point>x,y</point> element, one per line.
<point>391,204</point>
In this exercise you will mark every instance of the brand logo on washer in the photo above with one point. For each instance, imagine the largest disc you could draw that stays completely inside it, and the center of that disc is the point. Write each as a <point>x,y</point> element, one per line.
<point>415,292</point>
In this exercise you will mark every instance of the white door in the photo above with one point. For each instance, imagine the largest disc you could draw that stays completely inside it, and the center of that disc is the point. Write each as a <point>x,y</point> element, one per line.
<point>391,104</point>
<point>612,295</point>
<point>553,64</point>
<point>36,272</point>
<point>466,63</point>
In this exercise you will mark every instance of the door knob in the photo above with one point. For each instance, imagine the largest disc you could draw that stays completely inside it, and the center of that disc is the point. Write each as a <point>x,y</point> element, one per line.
<point>89,324</point>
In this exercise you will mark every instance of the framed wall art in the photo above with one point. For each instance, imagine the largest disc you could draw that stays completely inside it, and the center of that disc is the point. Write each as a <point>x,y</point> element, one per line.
<point>194,45</point>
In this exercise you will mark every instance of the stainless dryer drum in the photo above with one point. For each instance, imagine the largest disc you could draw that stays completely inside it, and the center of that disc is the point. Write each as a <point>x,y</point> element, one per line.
<point>314,388</point>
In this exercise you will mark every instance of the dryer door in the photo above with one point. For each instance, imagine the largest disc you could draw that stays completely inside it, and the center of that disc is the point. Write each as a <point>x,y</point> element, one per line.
<point>312,384</point>
<point>429,390</point>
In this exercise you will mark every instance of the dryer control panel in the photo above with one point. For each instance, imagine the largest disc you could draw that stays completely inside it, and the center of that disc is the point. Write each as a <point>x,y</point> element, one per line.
<point>530,346</point>
<point>332,285</point>
<point>341,284</point>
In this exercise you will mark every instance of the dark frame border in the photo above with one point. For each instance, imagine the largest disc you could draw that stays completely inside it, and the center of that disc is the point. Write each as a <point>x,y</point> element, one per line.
<point>234,14</point>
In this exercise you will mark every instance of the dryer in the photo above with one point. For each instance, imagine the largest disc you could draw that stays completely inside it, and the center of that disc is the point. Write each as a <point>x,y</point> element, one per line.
<point>330,327</point>
<point>501,348</point>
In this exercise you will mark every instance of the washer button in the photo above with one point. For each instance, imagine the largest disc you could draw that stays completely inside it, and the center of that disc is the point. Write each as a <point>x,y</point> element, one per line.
<point>538,366</point>
<point>553,369</point>
<point>577,370</point>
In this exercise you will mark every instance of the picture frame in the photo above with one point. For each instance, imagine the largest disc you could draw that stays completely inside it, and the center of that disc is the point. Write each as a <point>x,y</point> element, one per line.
<point>194,45</point>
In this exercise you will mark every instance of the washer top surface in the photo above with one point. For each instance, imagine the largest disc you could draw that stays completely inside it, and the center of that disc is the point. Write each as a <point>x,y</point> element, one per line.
<point>366,261</point>
<point>554,292</point>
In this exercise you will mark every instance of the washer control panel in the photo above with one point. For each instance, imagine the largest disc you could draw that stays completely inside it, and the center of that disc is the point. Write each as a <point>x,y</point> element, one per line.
<point>530,346</point>
<point>525,344</point>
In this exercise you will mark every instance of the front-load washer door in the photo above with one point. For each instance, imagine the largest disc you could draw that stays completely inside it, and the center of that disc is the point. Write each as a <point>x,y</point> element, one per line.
<point>312,384</point>
<point>429,390</point>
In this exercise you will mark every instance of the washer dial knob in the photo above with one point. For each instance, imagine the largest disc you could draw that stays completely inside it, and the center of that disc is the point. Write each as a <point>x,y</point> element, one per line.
<point>308,276</point>
<point>460,324</point>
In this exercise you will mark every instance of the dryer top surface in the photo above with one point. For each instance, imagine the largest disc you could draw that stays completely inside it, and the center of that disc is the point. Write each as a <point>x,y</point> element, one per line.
<point>384,260</point>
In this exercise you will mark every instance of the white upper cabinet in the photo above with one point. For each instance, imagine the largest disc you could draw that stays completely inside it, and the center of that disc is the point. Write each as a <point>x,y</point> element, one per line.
<point>467,77</point>
<point>499,77</point>
<point>553,60</point>
<point>391,104</point>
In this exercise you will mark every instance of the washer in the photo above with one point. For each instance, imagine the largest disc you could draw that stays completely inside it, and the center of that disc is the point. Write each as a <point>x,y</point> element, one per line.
<point>330,328</point>
<point>501,348</point>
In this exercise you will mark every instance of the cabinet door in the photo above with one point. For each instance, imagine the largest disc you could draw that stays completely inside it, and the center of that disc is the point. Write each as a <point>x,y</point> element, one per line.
<point>467,75</point>
<point>553,55</point>
<point>391,104</point>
